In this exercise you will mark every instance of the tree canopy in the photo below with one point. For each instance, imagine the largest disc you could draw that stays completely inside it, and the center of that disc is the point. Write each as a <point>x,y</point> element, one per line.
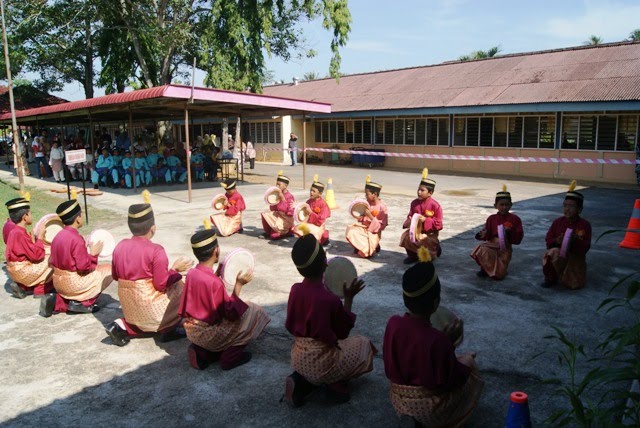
<point>489,53</point>
<point>593,41</point>
<point>145,43</point>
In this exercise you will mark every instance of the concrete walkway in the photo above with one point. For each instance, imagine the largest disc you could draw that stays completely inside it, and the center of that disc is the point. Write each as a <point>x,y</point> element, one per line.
<point>64,371</point>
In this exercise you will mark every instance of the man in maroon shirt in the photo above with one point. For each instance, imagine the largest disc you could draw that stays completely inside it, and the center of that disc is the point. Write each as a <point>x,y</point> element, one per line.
<point>322,353</point>
<point>77,276</point>
<point>568,241</point>
<point>429,383</point>
<point>27,262</point>
<point>9,224</point>
<point>148,290</point>
<point>219,325</point>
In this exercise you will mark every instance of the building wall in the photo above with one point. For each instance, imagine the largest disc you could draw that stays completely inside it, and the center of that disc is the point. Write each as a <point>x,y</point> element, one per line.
<point>533,133</point>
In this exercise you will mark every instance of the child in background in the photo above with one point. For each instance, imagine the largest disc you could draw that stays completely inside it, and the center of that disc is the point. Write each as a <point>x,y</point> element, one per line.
<point>230,221</point>
<point>365,235</point>
<point>431,222</point>
<point>318,213</point>
<point>494,256</point>
<point>568,241</point>
<point>278,221</point>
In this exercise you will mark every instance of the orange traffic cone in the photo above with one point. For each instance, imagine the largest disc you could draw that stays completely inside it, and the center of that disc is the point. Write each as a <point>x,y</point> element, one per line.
<point>632,237</point>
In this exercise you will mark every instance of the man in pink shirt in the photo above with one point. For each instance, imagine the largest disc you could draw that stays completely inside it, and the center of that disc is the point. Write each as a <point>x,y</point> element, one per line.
<point>148,290</point>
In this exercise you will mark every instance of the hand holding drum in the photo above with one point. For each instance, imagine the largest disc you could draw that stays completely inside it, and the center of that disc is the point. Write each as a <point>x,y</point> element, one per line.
<point>349,291</point>
<point>454,331</point>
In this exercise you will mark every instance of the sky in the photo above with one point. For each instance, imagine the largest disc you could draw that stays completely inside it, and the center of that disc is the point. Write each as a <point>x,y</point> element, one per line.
<point>406,33</point>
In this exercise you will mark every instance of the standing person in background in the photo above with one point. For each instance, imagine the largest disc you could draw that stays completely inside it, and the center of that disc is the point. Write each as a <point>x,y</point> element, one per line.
<point>293,148</point>
<point>41,159</point>
<point>55,160</point>
<point>251,153</point>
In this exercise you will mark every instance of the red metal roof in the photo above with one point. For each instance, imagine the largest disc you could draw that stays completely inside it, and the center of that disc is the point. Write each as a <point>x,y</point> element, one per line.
<point>608,72</point>
<point>229,100</point>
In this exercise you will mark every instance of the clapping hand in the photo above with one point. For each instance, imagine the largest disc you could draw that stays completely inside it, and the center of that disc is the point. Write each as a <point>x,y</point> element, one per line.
<point>95,248</point>
<point>182,264</point>
<point>356,286</point>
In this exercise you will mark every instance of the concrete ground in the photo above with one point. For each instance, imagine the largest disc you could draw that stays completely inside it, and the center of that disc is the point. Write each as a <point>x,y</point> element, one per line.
<point>64,371</point>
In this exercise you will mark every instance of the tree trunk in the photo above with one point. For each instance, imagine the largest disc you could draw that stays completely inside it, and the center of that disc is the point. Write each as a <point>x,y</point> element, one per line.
<point>225,134</point>
<point>136,43</point>
<point>88,67</point>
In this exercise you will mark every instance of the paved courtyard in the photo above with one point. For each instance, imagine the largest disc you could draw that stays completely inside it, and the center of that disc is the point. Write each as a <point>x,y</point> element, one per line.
<point>64,371</point>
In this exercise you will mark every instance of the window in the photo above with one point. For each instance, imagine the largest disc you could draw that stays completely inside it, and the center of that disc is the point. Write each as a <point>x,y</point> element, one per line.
<point>627,132</point>
<point>486,131</point>
<point>587,134</point>
<point>379,131</point>
<point>421,131</point>
<point>366,132</point>
<point>317,132</point>
<point>349,131</point>
<point>473,130</point>
<point>515,132</point>
<point>388,131</point>
<point>531,132</point>
<point>398,131</point>
<point>500,131</point>
<point>277,139</point>
<point>325,132</point>
<point>607,132</point>
<point>341,128</point>
<point>459,131</point>
<point>443,132</point>
<point>410,131</point>
<point>357,133</point>
<point>432,132</point>
<point>333,131</point>
<point>547,135</point>
<point>570,126</point>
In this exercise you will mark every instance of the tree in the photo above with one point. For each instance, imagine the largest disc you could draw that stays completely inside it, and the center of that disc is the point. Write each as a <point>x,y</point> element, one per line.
<point>311,75</point>
<point>634,36</point>
<point>593,41</point>
<point>228,38</point>
<point>490,53</point>
<point>57,41</point>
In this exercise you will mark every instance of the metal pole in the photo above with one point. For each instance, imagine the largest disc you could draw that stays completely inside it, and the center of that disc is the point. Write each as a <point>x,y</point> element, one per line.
<point>133,163</point>
<point>239,141</point>
<point>14,123</point>
<point>188,150</point>
<point>304,150</point>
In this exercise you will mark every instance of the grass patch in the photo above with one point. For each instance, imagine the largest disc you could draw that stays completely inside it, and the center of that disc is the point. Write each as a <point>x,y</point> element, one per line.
<point>43,202</point>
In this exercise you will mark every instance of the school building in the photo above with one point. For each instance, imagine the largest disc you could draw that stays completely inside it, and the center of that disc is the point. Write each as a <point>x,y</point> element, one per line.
<point>579,102</point>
